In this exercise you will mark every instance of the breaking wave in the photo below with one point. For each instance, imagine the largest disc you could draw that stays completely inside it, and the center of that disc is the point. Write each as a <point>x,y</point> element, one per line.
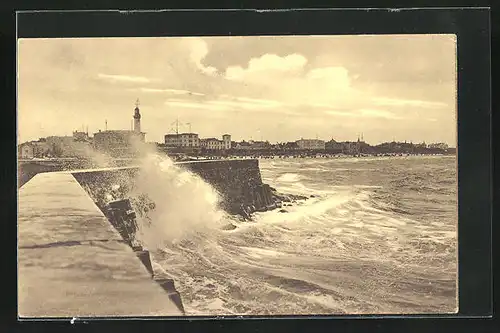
<point>185,205</point>
<point>351,248</point>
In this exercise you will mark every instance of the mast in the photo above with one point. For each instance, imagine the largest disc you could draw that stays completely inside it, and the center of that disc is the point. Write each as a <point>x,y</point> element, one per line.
<point>176,123</point>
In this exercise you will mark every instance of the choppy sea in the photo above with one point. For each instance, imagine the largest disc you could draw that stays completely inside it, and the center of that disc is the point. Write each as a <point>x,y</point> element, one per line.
<point>378,237</point>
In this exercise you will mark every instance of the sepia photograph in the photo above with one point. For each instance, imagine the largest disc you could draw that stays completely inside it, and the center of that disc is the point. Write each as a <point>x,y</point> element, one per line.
<point>237,176</point>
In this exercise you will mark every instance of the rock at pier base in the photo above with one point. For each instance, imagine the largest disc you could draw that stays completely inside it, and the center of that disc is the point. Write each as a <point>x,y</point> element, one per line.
<point>137,248</point>
<point>229,226</point>
<point>263,198</point>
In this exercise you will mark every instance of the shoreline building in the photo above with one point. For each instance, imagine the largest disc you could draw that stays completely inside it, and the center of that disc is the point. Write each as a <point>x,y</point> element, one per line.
<point>34,149</point>
<point>68,146</point>
<point>182,140</point>
<point>243,145</point>
<point>311,144</point>
<point>334,146</point>
<point>216,144</point>
<point>259,145</point>
<point>81,136</point>
<point>439,145</point>
<point>26,150</point>
<point>121,143</point>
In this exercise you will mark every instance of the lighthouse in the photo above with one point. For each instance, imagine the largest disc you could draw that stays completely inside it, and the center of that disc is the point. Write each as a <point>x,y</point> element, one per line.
<point>137,118</point>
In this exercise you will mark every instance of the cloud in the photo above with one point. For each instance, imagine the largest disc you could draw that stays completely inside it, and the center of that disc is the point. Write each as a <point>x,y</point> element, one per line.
<point>239,104</point>
<point>364,113</point>
<point>234,103</point>
<point>247,103</point>
<point>340,113</point>
<point>320,105</point>
<point>198,52</point>
<point>265,102</point>
<point>408,102</point>
<point>329,73</point>
<point>267,64</point>
<point>376,113</point>
<point>196,105</point>
<point>124,78</point>
<point>170,91</point>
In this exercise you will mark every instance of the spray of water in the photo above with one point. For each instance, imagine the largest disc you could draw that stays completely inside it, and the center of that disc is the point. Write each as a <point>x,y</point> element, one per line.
<point>98,159</point>
<point>184,204</point>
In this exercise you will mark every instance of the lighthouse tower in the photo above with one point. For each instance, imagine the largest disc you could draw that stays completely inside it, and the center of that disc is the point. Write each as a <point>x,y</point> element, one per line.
<point>137,118</point>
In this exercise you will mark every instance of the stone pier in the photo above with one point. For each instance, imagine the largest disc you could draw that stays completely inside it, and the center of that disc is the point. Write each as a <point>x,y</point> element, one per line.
<point>73,263</point>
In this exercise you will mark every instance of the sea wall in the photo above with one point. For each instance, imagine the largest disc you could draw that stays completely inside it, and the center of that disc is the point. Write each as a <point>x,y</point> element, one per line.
<point>238,182</point>
<point>27,169</point>
<point>72,262</point>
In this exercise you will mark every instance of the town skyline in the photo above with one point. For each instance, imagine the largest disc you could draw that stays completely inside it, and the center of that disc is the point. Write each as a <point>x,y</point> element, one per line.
<point>279,89</point>
<point>359,138</point>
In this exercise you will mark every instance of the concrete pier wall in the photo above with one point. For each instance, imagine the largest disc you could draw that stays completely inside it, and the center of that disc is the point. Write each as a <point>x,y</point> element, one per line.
<point>27,169</point>
<point>73,263</point>
<point>238,182</point>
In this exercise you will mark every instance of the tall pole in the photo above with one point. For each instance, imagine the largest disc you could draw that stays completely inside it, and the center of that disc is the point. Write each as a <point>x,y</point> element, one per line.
<point>106,125</point>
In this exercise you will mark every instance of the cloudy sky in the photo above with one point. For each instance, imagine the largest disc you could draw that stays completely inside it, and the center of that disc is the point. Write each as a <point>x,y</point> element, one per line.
<point>274,88</point>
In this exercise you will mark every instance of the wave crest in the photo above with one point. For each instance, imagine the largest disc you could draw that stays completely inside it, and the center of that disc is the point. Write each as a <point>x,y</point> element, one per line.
<point>185,205</point>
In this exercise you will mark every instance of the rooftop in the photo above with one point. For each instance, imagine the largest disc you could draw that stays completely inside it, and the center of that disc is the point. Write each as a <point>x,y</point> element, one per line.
<point>175,134</point>
<point>118,132</point>
<point>302,139</point>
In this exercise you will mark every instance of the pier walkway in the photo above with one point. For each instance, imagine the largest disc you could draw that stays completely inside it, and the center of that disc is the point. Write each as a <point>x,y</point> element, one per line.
<point>72,262</point>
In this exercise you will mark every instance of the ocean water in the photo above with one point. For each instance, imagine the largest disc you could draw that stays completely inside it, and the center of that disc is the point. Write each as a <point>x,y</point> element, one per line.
<point>378,237</point>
